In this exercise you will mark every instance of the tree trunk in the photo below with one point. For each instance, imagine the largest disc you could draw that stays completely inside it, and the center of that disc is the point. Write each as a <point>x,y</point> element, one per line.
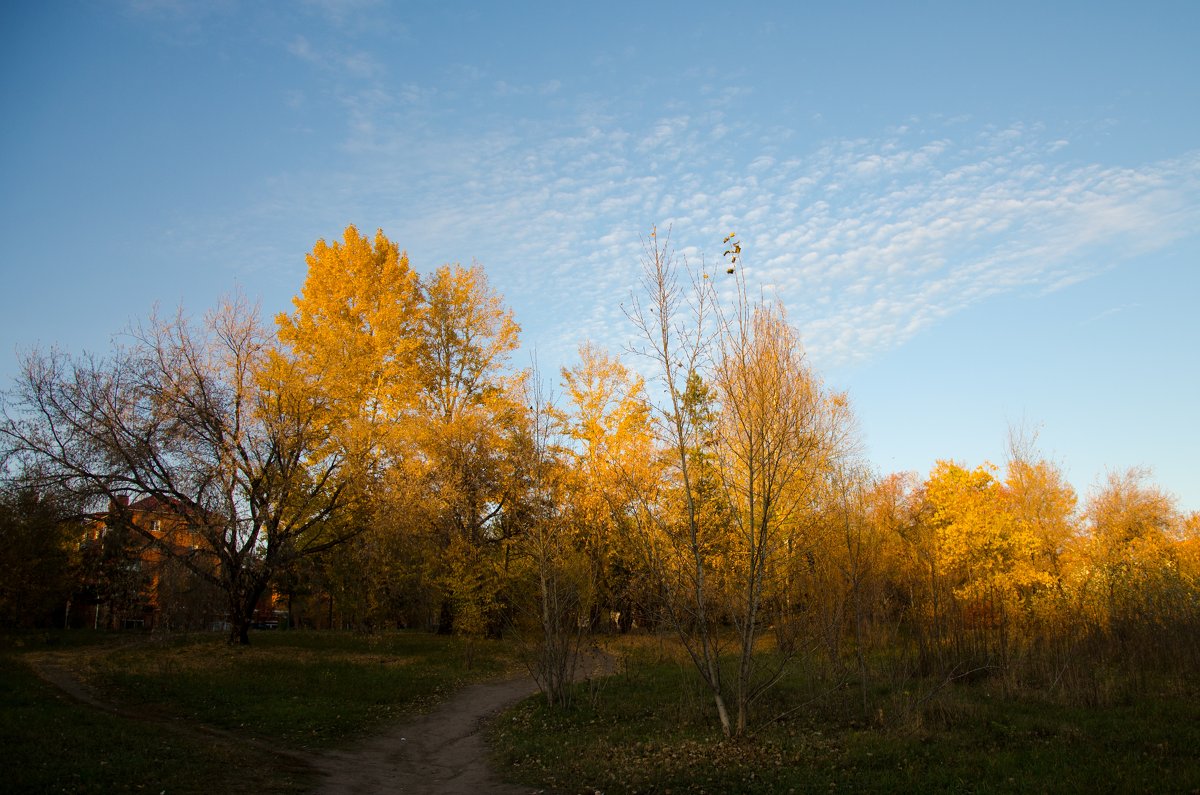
<point>242,604</point>
<point>722,713</point>
<point>445,625</point>
<point>239,631</point>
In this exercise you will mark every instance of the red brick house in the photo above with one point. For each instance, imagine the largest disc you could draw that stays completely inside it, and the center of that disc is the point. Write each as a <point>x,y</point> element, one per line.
<point>133,575</point>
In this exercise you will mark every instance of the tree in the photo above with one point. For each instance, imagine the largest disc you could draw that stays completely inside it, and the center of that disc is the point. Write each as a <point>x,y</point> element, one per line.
<point>606,428</point>
<point>415,373</point>
<point>1134,583</point>
<point>672,527</point>
<point>776,436</point>
<point>857,550</point>
<point>38,570</point>
<point>1126,510</point>
<point>469,419</point>
<point>354,336</point>
<point>745,440</point>
<point>232,442</point>
<point>990,555</point>
<point>1042,500</point>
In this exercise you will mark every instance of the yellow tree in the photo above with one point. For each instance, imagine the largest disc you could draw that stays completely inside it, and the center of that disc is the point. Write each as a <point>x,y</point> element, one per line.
<point>1133,578</point>
<point>355,333</point>
<point>902,513</point>
<point>856,545</point>
<point>605,424</point>
<point>1041,499</point>
<point>745,429</point>
<point>353,338</point>
<point>1044,505</point>
<point>470,421</point>
<point>990,556</point>
<point>777,434</point>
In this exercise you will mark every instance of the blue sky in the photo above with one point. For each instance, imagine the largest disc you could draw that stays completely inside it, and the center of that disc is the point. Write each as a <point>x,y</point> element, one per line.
<point>976,216</point>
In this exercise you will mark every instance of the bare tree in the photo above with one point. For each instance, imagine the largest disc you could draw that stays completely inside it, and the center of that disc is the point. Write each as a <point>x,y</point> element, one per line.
<point>207,419</point>
<point>677,337</point>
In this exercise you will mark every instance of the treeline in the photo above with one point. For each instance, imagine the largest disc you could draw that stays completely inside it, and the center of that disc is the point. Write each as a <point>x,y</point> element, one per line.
<point>377,459</point>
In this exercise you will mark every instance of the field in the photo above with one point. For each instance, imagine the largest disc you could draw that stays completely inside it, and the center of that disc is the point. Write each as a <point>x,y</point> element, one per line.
<point>651,728</point>
<point>194,715</point>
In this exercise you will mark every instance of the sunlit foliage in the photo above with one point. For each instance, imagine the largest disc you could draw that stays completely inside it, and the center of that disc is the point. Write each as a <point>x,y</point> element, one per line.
<point>381,461</point>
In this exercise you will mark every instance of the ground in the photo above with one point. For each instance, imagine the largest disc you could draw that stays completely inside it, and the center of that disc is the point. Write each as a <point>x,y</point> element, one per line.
<point>442,750</point>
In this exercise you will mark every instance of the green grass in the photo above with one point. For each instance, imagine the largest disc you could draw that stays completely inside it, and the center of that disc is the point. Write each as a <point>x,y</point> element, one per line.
<point>289,690</point>
<point>299,689</point>
<point>49,743</point>
<point>651,729</point>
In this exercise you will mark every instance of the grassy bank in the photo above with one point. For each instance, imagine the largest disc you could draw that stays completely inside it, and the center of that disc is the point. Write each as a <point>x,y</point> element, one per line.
<point>652,729</point>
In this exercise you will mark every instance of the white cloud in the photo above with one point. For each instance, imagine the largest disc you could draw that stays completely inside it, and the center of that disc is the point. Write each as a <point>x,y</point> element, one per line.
<point>348,63</point>
<point>867,241</point>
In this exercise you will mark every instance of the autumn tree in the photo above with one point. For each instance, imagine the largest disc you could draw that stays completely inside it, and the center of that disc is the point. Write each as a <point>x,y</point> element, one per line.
<point>416,372</point>
<point>777,434</point>
<point>354,336</point>
<point>988,554</point>
<point>1043,502</point>
<point>855,544</point>
<point>1134,584</point>
<point>606,430</point>
<point>470,416</point>
<point>742,412</point>
<point>233,444</point>
<point>902,513</point>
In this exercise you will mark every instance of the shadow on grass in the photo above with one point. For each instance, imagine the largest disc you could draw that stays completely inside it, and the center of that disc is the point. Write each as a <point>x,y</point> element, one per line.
<point>51,743</point>
<point>295,691</point>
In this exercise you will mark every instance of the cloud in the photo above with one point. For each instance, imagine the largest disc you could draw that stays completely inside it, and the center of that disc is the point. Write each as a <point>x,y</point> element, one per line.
<point>178,22</point>
<point>868,241</point>
<point>357,64</point>
<point>503,88</point>
<point>364,17</point>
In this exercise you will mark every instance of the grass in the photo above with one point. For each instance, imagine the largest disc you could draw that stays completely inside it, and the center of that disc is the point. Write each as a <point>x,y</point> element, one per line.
<point>294,691</point>
<point>658,734</point>
<point>649,728</point>
<point>49,743</point>
<point>300,689</point>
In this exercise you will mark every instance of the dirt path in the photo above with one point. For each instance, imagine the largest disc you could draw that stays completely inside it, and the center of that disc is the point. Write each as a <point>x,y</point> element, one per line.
<point>442,752</point>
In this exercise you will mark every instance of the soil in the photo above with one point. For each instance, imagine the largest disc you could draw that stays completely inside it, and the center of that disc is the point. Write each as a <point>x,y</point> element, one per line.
<point>442,752</point>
